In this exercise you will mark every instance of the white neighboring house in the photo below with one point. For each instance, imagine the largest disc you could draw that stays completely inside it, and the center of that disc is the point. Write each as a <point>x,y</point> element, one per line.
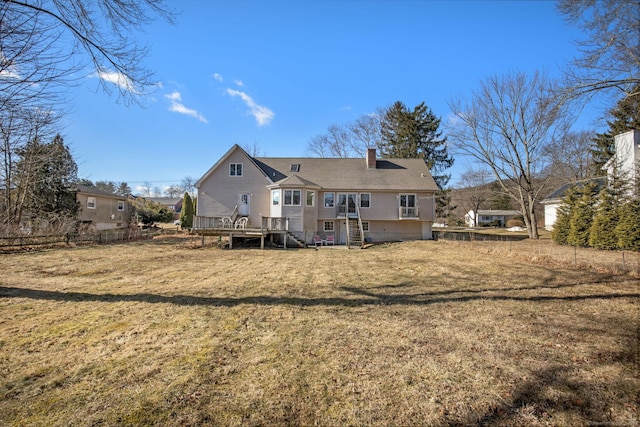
<point>626,158</point>
<point>554,200</point>
<point>485,217</point>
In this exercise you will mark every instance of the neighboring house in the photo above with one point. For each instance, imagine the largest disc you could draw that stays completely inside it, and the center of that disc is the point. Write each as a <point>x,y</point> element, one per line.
<point>102,209</point>
<point>173,204</point>
<point>354,200</point>
<point>624,163</point>
<point>626,160</point>
<point>553,201</point>
<point>485,217</point>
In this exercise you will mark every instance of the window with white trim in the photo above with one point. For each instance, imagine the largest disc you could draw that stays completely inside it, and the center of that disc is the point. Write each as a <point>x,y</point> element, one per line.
<point>292,197</point>
<point>328,200</point>
<point>328,226</point>
<point>311,198</point>
<point>235,169</point>
<point>275,197</point>
<point>365,225</point>
<point>120,205</point>
<point>91,202</point>
<point>365,200</point>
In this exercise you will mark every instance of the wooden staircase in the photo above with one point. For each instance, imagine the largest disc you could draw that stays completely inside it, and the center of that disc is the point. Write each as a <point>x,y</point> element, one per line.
<point>353,232</point>
<point>289,236</point>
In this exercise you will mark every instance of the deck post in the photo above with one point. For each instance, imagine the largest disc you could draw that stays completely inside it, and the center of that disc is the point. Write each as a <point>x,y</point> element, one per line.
<point>202,243</point>
<point>230,240</point>
<point>261,240</point>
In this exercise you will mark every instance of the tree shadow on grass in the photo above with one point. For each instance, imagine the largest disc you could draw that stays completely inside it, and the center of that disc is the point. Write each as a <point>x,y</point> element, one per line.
<point>558,390</point>
<point>354,297</point>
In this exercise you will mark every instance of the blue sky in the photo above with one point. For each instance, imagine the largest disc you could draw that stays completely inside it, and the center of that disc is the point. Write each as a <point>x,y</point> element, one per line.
<point>273,74</point>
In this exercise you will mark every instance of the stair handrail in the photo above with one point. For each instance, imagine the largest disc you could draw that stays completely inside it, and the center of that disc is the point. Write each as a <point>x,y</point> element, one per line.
<point>360,225</point>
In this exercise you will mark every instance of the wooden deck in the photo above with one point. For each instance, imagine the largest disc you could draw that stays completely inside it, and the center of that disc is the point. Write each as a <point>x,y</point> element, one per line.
<point>224,226</point>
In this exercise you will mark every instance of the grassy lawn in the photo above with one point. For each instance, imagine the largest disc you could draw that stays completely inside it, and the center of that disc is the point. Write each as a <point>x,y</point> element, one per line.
<point>419,333</point>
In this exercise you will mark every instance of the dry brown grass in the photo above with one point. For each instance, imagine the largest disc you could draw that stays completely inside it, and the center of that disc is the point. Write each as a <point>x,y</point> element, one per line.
<point>422,333</point>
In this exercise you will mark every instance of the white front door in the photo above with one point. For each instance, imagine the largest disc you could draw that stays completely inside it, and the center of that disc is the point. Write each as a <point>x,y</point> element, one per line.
<point>244,203</point>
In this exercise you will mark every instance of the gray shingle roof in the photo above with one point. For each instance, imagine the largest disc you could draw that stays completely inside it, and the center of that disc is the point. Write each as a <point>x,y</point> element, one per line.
<point>352,174</point>
<point>560,191</point>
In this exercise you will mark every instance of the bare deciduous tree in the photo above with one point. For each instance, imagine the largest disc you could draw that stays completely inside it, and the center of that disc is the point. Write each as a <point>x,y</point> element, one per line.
<point>475,190</point>
<point>174,191</point>
<point>365,133</point>
<point>335,143</point>
<point>611,52</point>
<point>570,158</point>
<point>189,185</point>
<point>507,125</point>
<point>19,127</point>
<point>43,44</point>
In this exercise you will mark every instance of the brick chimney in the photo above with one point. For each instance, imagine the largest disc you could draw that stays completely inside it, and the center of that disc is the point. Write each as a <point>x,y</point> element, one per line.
<point>371,158</point>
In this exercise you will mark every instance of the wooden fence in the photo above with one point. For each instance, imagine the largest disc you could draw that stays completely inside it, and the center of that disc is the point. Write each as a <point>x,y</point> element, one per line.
<point>107,236</point>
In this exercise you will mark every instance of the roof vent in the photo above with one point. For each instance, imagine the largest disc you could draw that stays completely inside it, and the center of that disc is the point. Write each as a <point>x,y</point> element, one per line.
<point>295,167</point>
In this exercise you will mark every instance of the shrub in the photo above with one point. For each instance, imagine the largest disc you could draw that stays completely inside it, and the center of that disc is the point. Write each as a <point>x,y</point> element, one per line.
<point>628,228</point>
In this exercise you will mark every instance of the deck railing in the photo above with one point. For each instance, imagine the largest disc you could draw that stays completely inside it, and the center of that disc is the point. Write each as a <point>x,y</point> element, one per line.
<point>405,212</point>
<point>224,222</point>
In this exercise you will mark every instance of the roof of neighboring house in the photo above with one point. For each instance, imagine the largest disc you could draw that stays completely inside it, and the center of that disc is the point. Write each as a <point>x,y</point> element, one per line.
<point>498,212</point>
<point>95,191</point>
<point>166,201</point>
<point>559,193</point>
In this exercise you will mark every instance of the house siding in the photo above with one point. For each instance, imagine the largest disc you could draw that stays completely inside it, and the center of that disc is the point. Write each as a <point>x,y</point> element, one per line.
<point>218,194</point>
<point>106,215</point>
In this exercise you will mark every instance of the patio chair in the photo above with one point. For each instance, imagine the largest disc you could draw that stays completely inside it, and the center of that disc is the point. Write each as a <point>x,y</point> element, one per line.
<point>317,240</point>
<point>229,221</point>
<point>330,240</point>
<point>242,222</point>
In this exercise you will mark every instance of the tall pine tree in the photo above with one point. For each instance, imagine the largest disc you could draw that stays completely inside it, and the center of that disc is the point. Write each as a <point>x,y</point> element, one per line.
<point>416,134</point>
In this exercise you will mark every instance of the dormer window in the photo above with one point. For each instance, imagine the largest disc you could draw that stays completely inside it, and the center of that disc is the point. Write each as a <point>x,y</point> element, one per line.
<point>295,167</point>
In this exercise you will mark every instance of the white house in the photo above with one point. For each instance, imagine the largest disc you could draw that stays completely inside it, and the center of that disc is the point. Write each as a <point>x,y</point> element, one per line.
<point>624,162</point>
<point>486,217</point>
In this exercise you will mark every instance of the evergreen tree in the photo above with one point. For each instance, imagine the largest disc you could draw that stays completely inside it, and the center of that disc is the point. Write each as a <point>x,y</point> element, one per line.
<point>186,215</point>
<point>582,217</point>
<point>602,233</point>
<point>47,175</point>
<point>415,134</point>
<point>628,228</point>
<point>625,116</point>
<point>562,226</point>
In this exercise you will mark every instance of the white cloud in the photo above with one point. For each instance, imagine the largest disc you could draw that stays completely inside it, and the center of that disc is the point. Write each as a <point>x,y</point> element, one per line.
<point>178,107</point>
<point>262,114</point>
<point>218,77</point>
<point>117,79</point>
<point>239,82</point>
